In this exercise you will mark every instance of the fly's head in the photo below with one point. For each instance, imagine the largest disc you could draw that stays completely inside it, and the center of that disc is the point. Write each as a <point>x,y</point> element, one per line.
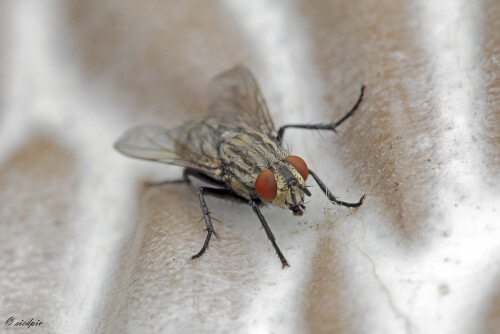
<point>284,184</point>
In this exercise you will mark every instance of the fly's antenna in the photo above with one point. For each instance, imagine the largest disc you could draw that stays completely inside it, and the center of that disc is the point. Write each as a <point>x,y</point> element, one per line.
<point>294,183</point>
<point>304,189</point>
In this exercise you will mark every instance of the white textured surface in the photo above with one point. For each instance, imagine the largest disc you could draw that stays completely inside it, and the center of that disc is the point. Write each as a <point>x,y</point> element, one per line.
<point>85,248</point>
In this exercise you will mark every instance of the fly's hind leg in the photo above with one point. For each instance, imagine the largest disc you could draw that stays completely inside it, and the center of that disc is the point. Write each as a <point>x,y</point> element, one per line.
<point>331,197</point>
<point>185,179</point>
<point>269,233</point>
<point>330,127</point>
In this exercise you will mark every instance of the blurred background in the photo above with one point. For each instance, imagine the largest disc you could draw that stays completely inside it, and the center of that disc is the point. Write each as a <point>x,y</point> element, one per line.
<point>87,248</point>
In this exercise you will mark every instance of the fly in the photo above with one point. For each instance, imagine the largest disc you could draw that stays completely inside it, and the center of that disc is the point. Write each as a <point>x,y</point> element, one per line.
<point>237,150</point>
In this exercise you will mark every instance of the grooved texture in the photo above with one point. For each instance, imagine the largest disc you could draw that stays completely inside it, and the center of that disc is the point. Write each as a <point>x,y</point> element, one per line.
<point>87,248</point>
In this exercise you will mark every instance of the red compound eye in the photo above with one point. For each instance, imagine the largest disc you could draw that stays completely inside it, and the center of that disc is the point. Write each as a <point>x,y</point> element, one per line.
<point>266,186</point>
<point>299,165</point>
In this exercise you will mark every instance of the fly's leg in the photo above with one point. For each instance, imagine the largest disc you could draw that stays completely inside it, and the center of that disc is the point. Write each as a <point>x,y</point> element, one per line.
<point>222,193</point>
<point>185,179</point>
<point>270,235</point>
<point>330,127</point>
<point>331,197</point>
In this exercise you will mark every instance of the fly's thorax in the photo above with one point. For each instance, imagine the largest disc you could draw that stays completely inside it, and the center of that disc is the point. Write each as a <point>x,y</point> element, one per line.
<point>245,153</point>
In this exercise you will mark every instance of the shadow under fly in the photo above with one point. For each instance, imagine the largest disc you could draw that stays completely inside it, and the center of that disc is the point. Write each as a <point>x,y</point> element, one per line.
<point>236,150</point>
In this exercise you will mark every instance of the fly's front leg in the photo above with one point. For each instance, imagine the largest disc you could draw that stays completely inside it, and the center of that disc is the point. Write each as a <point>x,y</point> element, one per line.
<point>270,235</point>
<point>330,195</point>
<point>330,127</point>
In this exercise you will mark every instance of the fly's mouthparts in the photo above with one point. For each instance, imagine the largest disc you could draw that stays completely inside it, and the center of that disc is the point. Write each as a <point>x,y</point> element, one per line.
<point>297,210</point>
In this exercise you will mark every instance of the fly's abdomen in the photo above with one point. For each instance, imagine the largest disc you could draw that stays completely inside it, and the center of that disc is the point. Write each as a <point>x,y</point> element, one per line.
<point>244,154</point>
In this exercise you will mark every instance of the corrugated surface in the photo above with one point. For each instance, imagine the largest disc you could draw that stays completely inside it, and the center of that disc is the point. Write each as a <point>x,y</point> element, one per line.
<point>87,248</point>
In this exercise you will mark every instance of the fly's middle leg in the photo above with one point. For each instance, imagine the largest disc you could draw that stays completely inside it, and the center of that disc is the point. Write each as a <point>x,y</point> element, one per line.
<point>217,192</point>
<point>269,233</point>
<point>331,197</point>
<point>330,127</point>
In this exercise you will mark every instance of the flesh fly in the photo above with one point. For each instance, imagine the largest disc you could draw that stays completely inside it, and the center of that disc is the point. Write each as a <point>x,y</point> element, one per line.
<point>237,150</point>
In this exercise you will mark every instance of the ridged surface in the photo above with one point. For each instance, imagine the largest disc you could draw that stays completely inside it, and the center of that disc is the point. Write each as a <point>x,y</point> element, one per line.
<point>87,248</point>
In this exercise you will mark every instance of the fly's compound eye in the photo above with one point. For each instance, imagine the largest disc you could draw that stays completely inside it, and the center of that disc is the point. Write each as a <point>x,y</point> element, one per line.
<point>299,164</point>
<point>266,186</point>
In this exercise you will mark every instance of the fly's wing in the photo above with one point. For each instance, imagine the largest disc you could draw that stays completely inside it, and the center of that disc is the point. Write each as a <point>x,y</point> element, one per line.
<point>192,145</point>
<point>235,97</point>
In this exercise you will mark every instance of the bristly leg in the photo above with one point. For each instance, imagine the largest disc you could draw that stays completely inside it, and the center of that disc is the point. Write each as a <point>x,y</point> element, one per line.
<point>269,233</point>
<point>331,197</point>
<point>330,127</point>
<point>206,214</point>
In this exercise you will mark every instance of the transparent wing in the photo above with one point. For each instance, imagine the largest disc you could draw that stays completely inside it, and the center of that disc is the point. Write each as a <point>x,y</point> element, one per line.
<point>192,145</point>
<point>235,97</point>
